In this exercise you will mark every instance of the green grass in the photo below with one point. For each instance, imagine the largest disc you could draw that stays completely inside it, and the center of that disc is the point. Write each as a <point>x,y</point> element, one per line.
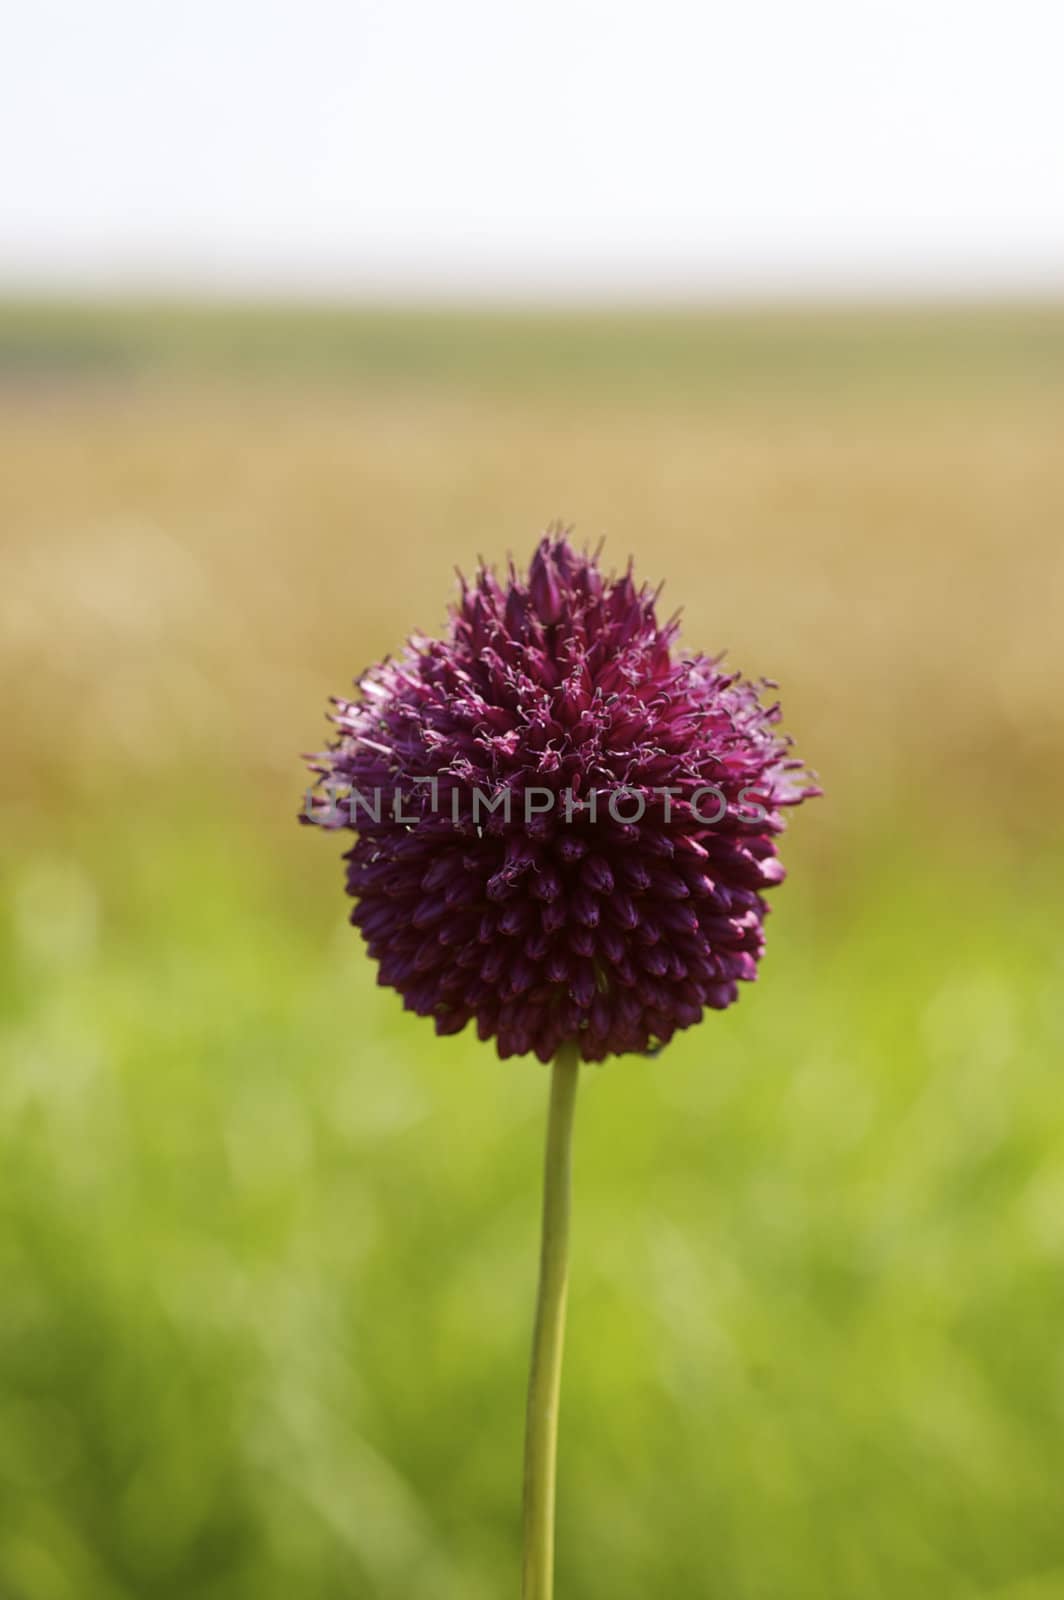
<point>268,1251</point>
<point>621,355</point>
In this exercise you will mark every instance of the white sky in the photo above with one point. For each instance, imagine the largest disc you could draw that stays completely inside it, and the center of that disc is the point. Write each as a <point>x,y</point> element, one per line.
<point>569,148</point>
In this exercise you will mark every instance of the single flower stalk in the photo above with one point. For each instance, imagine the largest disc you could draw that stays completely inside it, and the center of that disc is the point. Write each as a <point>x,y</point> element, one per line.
<point>565,827</point>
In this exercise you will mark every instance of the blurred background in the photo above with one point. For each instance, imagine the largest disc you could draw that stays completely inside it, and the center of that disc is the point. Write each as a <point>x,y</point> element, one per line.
<point>299,308</point>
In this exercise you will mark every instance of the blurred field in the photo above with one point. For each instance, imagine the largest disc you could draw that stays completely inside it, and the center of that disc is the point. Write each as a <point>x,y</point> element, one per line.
<point>267,1247</point>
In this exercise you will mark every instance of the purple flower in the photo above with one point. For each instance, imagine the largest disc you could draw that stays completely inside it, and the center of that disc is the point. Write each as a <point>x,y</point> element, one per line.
<point>565,826</point>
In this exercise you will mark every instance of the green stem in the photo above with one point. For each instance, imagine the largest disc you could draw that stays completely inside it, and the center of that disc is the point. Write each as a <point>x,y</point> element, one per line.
<point>541,1437</point>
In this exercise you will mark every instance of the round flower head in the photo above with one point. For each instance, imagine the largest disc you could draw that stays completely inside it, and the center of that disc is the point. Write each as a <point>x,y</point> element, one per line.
<point>565,826</point>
